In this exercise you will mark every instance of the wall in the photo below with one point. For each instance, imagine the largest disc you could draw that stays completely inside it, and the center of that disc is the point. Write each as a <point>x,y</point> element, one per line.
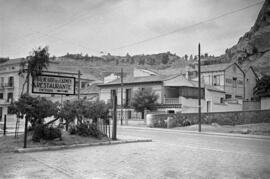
<point>234,72</point>
<point>265,103</point>
<point>222,118</point>
<point>250,83</point>
<point>251,105</point>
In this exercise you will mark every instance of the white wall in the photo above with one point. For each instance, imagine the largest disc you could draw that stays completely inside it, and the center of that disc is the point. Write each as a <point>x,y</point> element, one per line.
<point>265,103</point>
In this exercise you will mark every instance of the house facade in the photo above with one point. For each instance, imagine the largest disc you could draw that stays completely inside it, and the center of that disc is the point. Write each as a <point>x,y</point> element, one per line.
<point>236,83</point>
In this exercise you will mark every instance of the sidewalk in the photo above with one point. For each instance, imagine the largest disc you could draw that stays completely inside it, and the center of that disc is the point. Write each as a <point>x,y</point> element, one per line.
<point>197,133</point>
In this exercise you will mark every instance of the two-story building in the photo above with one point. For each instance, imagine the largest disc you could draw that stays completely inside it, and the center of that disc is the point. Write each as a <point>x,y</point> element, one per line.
<point>229,77</point>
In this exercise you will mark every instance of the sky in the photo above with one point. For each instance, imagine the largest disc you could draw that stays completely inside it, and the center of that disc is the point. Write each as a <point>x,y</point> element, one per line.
<point>118,27</point>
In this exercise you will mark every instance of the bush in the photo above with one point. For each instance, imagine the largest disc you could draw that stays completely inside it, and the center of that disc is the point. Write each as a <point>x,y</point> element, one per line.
<point>87,130</point>
<point>46,133</point>
<point>72,130</point>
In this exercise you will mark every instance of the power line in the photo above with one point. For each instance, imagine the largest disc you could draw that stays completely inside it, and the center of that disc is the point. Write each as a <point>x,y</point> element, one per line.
<point>186,27</point>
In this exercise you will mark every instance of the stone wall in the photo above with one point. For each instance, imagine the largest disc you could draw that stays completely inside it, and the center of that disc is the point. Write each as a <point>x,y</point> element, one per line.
<point>222,118</point>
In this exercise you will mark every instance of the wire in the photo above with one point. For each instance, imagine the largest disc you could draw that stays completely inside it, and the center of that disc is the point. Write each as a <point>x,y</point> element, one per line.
<point>187,27</point>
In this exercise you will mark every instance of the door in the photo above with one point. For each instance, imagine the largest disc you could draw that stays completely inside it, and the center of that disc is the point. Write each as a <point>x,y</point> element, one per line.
<point>208,106</point>
<point>1,113</point>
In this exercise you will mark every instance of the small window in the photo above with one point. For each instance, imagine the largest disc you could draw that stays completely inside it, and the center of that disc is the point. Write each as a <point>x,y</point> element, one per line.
<point>1,96</point>
<point>234,82</point>
<point>221,100</point>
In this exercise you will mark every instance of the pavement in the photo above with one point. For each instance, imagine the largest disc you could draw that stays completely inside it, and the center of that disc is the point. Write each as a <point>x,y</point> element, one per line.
<point>172,154</point>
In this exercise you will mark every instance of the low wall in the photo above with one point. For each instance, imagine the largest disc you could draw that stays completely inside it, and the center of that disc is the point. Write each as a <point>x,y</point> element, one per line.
<point>222,118</point>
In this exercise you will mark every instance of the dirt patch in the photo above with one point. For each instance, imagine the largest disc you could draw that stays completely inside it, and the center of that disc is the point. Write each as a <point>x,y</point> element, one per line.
<point>9,143</point>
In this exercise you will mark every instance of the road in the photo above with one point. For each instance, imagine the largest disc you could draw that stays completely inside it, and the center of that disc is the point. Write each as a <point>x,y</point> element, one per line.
<point>172,154</point>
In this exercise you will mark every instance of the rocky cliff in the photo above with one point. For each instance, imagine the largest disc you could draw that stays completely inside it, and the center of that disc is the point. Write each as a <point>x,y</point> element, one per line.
<point>254,47</point>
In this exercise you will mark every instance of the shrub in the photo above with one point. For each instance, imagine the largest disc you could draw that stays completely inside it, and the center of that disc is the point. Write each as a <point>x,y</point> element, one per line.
<point>46,133</point>
<point>87,130</point>
<point>72,130</point>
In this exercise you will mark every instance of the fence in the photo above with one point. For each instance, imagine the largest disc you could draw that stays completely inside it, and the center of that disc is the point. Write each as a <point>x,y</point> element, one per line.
<point>221,118</point>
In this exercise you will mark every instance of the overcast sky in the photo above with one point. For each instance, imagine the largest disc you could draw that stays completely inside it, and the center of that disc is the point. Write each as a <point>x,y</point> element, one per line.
<point>115,26</point>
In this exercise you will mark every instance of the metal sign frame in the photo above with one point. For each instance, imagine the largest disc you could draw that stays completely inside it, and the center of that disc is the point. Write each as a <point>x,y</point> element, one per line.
<point>74,85</point>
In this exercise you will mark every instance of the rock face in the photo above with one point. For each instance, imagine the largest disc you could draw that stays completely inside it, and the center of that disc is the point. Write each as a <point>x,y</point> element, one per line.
<point>254,47</point>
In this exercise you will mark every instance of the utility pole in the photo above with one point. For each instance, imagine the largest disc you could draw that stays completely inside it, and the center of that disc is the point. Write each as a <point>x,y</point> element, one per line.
<point>26,119</point>
<point>199,81</point>
<point>79,84</point>
<point>122,96</point>
<point>114,115</point>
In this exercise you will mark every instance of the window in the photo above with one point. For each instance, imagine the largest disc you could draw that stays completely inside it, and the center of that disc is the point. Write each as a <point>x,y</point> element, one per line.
<point>10,97</point>
<point>9,110</point>
<point>216,80</point>
<point>11,81</point>
<point>1,95</point>
<point>83,84</point>
<point>228,96</point>
<point>221,100</point>
<point>234,82</point>
<point>2,81</point>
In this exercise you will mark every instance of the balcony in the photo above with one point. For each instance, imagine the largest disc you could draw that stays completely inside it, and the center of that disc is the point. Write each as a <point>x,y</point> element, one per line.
<point>6,86</point>
<point>172,101</point>
<point>5,102</point>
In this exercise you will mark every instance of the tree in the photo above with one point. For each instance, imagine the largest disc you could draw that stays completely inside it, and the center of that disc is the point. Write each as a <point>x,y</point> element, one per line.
<point>186,57</point>
<point>79,110</point>
<point>33,65</point>
<point>165,58</point>
<point>144,99</point>
<point>34,109</point>
<point>262,88</point>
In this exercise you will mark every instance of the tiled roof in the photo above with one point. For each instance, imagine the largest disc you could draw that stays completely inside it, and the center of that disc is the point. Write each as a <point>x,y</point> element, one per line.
<point>215,67</point>
<point>144,79</point>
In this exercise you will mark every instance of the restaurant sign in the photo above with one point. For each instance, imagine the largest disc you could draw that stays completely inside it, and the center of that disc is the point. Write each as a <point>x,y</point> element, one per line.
<point>53,84</point>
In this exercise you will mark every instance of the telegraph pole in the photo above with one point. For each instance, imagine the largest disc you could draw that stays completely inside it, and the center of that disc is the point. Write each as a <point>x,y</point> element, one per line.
<point>26,119</point>
<point>199,81</point>
<point>122,96</point>
<point>114,115</point>
<point>79,84</point>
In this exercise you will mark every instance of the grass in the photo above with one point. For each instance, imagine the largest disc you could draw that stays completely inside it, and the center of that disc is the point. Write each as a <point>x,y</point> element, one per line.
<point>9,143</point>
<point>254,129</point>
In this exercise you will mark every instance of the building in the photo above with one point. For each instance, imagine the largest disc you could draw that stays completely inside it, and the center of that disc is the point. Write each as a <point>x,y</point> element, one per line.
<point>236,83</point>
<point>11,85</point>
<point>176,93</point>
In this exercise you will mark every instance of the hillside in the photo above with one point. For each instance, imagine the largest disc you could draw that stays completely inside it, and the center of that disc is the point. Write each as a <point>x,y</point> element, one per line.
<point>253,48</point>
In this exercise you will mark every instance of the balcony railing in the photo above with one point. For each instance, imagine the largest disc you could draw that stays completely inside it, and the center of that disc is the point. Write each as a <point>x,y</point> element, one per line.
<point>6,85</point>
<point>172,101</point>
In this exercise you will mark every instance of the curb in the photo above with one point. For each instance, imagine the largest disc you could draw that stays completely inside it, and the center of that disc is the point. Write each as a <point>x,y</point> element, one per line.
<point>247,136</point>
<point>52,148</point>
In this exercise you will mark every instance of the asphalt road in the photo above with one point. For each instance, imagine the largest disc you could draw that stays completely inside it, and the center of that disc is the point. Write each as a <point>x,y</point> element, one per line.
<point>172,154</point>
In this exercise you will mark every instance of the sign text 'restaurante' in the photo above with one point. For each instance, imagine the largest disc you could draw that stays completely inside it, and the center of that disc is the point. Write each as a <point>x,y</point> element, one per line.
<point>54,84</point>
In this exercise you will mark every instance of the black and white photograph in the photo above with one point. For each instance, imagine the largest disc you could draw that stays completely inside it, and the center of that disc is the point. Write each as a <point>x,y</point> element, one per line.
<point>134,89</point>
